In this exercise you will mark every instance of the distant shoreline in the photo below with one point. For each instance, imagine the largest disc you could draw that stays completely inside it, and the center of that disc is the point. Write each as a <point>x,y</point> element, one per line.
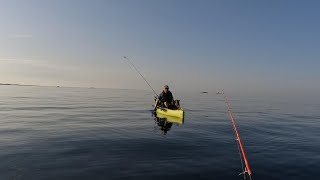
<point>58,86</point>
<point>9,84</point>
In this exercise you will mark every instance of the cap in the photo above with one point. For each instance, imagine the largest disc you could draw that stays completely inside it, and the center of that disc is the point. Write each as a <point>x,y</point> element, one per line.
<point>166,86</point>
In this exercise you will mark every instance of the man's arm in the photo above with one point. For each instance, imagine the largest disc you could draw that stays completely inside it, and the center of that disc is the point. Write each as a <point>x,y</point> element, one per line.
<point>160,97</point>
<point>172,100</point>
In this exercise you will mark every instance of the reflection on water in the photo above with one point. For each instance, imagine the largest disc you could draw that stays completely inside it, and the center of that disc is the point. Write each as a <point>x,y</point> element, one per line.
<point>80,133</point>
<point>165,123</point>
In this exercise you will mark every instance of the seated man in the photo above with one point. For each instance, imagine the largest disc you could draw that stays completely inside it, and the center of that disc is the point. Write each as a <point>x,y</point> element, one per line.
<point>166,99</point>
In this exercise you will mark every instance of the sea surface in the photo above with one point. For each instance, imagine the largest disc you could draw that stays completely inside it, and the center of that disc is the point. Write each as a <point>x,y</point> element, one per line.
<point>51,133</point>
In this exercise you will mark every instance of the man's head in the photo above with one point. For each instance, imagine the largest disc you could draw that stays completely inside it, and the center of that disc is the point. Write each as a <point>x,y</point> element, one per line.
<point>166,88</point>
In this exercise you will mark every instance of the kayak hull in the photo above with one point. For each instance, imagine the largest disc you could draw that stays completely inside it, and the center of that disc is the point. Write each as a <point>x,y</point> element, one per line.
<point>179,113</point>
<point>171,119</point>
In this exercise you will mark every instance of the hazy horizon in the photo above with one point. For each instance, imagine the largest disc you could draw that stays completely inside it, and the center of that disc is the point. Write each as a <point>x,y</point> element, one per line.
<point>264,47</point>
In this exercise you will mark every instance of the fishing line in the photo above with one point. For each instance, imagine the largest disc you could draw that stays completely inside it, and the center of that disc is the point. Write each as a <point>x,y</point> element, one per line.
<point>243,156</point>
<point>141,75</point>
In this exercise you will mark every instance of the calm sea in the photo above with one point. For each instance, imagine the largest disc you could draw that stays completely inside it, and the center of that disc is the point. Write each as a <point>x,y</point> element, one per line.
<point>110,134</point>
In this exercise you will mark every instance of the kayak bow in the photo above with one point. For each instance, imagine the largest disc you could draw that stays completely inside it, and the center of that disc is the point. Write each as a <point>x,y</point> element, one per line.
<point>171,119</point>
<point>179,113</point>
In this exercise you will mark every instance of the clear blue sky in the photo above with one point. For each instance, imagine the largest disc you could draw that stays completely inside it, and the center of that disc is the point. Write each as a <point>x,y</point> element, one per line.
<point>199,45</point>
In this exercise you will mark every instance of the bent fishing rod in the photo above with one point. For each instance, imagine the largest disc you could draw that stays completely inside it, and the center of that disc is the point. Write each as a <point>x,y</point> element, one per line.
<point>141,75</point>
<point>245,171</point>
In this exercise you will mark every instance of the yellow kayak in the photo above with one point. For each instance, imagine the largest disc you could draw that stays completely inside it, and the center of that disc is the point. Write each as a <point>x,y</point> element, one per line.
<point>171,119</point>
<point>179,113</point>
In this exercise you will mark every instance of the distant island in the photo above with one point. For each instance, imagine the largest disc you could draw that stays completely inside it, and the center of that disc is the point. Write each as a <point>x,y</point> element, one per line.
<point>8,84</point>
<point>57,86</point>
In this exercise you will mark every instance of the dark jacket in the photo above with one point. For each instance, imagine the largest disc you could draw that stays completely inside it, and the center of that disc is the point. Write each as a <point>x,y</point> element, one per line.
<point>166,97</point>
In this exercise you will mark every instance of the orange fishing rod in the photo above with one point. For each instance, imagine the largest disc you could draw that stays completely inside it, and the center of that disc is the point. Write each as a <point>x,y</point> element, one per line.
<point>247,170</point>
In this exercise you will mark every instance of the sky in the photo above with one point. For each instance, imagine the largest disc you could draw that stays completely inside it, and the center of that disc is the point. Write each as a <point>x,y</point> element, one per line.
<point>253,46</point>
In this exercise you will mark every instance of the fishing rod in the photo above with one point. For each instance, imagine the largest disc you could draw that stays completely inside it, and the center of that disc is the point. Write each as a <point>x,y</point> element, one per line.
<point>141,75</point>
<point>246,171</point>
